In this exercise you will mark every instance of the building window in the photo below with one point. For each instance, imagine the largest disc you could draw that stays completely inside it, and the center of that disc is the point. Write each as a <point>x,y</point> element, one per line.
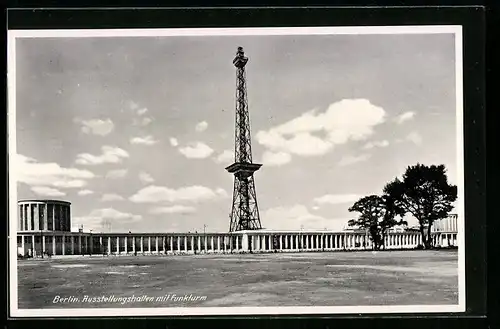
<point>50,216</point>
<point>57,218</point>
<point>26,216</point>
<point>41,216</point>
<point>32,218</point>
<point>68,218</point>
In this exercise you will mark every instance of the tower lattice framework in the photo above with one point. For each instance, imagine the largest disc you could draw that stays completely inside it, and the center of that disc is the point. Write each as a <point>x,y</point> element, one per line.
<point>245,211</point>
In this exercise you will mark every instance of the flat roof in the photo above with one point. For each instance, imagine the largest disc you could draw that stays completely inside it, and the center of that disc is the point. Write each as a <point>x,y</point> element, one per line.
<point>43,201</point>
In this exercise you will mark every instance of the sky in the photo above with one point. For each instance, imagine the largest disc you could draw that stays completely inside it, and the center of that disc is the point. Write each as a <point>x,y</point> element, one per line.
<point>136,131</point>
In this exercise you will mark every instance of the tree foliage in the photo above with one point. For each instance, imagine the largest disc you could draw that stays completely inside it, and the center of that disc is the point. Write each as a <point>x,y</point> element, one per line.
<point>376,214</point>
<point>425,193</point>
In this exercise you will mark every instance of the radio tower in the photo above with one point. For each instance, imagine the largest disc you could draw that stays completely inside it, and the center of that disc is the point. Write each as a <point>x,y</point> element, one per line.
<point>245,212</point>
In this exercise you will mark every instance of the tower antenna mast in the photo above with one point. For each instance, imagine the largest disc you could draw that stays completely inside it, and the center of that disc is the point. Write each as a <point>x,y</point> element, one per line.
<point>245,211</point>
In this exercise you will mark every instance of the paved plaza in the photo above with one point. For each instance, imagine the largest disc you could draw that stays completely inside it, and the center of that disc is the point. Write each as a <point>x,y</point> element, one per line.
<point>302,279</point>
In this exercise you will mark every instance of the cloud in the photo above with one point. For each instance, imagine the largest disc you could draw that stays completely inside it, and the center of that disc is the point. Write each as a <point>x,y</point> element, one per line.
<point>133,105</point>
<point>298,217</point>
<point>370,145</point>
<point>405,117</point>
<point>33,173</point>
<point>336,198</point>
<point>221,192</point>
<point>97,217</point>
<point>352,159</point>
<point>201,126</point>
<point>111,197</point>
<point>174,142</point>
<point>142,111</point>
<point>178,209</point>
<point>47,191</point>
<point>97,126</point>
<point>155,194</point>
<point>348,119</point>
<point>146,140</point>
<point>225,157</point>
<point>70,183</point>
<point>196,150</point>
<point>85,192</point>
<point>145,177</point>
<point>275,158</point>
<point>302,144</point>
<point>142,121</point>
<point>110,154</point>
<point>117,173</point>
<point>415,138</point>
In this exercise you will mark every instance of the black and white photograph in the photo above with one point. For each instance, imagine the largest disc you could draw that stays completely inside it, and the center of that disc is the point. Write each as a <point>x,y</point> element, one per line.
<point>225,171</point>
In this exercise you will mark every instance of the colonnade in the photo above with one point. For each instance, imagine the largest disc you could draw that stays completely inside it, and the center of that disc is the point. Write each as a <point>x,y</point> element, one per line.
<point>76,243</point>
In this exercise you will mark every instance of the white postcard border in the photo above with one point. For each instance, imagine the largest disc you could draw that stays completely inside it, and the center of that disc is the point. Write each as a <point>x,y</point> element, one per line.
<point>197,311</point>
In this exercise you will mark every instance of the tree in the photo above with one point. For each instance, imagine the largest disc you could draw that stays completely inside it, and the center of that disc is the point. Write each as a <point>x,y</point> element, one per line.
<point>377,215</point>
<point>425,193</point>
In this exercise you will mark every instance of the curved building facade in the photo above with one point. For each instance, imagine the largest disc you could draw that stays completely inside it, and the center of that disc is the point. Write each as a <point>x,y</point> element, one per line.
<point>44,228</point>
<point>44,215</point>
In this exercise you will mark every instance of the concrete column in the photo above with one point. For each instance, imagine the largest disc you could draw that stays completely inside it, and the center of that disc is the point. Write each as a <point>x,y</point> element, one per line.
<point>117,245</point>
<point>212,244</point>
<point>100,245</point>
<point>178,243</point>
<point>218,243</point>
<point>244,242</point>
<point>149,245</point>
<point>198,238</point>
<point>171,243</point>
<point>185,244</point>
<point>72,245</point>
<point>36,218</point>
<point>109,246</point>
<point>63,244</point>
<point>126,245</point>
<point>22,244</point>
<point>192,243</point>
<point>156,245</point>
<point>280,237</point>
<point>205,243</point>
<point>237,247</point>
<point>142,244</point>
<point>45,222</point>
<point>133,244</point>
<point>43,242</point>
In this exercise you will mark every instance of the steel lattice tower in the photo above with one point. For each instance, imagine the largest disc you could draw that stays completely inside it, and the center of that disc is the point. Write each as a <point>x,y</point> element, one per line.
<point>245,212</point>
